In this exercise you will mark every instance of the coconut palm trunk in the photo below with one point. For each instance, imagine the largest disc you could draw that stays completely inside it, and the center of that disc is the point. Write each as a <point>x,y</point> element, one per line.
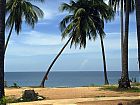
<point>124,81</point>
<point>138,27</point>
<point>122,34</point>
<point>46,75</point>
<point>104,61</point>
<point>2,42</point>
<point>8,38</point>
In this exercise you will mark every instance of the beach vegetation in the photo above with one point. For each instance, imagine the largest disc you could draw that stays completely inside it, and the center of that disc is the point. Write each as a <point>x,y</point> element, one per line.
<point>15,85</point>
<point>115,88</point>
<point>3,101</point>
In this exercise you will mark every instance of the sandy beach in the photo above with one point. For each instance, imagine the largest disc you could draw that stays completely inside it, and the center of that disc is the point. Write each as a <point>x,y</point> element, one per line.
<point>75,96</point>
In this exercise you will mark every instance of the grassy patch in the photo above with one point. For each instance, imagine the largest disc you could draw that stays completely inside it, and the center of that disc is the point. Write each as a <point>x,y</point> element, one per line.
<point>135,84</point>
<point>8,99</point>
<point>115,88</point>
<point>11,100</point>
<point>14,100</point>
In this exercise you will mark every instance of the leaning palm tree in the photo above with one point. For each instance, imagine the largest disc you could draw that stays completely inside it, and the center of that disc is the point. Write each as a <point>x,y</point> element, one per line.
<point>138,27</point>
<point>2,41</point>
<point>18,10</point>
<point>86,20</point>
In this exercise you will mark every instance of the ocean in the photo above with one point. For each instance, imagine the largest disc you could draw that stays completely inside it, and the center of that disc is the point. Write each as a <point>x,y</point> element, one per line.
<point>65,78</point>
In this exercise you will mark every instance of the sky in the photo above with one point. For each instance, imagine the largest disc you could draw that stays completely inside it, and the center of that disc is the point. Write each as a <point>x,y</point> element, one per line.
<point>34,49</point>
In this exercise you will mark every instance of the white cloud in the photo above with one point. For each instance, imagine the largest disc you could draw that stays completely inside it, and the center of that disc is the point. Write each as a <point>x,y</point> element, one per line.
<point>38,43</point>
<point>38,38</point>
<point>50,14</point>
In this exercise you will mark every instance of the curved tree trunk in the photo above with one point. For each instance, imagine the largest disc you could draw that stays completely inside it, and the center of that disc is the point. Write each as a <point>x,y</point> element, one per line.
<point>104,60</point>
<point>46,75</point>
<point>138,27</point>
<point>2,43</point>
<point>8,38</point>
<point>124,81</point>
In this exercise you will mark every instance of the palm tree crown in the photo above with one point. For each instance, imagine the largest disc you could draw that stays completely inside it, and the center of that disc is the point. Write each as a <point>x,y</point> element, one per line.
<point>19,10</point>
<point>86,20</point>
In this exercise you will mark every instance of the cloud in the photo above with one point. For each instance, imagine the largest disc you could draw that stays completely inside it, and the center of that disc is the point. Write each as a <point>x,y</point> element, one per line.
<point>39,43</point>
<point>50,12</point>
<point>39,38</point>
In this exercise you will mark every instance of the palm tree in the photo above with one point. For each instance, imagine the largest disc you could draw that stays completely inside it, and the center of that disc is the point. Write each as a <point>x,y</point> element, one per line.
<point>138,27</point>
<point>17,10</point>
<point>2,41</point>
<point>86,20</point>
<point>124,81</point>
<point>128,8</point>
<point>46,75</point>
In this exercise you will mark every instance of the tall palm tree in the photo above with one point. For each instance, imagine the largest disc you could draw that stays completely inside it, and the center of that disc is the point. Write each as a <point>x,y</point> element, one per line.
<point>17,10</point>
<point>138,27</point>
<point>2,41</point>
<point>124,81</point>
<point>128,8</point>
<point>86,20</point>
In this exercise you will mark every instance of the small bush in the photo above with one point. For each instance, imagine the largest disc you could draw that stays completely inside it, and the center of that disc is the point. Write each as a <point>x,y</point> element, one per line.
<point>15,85</point>
<point>3,101</point>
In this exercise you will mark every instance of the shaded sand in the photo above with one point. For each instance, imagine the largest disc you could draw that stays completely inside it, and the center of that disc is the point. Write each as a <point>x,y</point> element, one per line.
<point>112,102</point>
<point>73,96</point>
<point>78,101</point>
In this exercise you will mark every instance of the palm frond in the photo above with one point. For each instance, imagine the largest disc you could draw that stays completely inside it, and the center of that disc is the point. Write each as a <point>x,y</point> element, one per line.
<point>18,10</point>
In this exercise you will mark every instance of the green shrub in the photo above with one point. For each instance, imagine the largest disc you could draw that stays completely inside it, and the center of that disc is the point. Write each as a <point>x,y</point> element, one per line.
<point>15,85</point>
<point>3,101</point>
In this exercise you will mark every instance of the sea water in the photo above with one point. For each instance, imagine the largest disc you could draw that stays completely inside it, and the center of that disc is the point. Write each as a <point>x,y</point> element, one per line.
<point>66,78</point>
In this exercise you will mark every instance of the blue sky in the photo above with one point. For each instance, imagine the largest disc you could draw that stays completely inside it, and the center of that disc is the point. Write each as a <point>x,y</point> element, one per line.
<point>33,50</point>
